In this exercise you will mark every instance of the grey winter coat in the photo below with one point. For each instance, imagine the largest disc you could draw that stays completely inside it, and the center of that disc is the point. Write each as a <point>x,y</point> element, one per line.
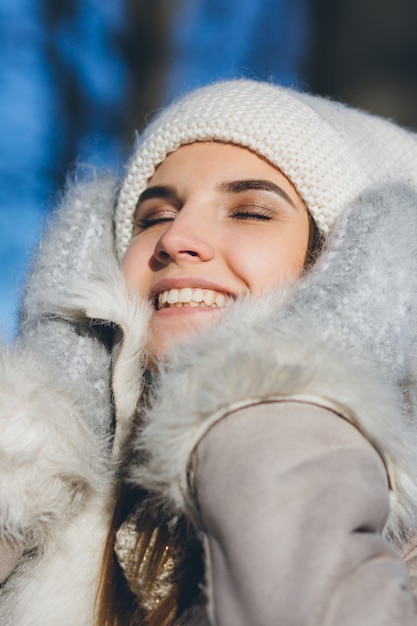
<point>319,380</point>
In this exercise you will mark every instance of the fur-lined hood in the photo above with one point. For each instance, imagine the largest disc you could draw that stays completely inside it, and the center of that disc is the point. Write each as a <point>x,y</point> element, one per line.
<point>334,338</point>
<point>343,337</point>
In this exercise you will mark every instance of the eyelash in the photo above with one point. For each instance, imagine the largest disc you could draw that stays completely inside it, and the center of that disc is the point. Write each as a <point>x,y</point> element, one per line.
<point>144,223</point>
<point>256,213</point>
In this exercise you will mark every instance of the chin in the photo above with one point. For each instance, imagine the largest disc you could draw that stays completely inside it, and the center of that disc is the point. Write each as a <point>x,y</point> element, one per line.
<point>170,331</point>
<point>160,345</point>
<point>158,351</point>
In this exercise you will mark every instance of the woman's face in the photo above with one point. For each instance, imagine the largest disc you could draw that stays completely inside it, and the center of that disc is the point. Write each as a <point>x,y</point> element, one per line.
<point>215,222</point>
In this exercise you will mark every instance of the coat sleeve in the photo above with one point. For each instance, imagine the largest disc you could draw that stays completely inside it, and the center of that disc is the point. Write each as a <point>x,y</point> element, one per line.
<point>292,501</point>
<point>55,408</point>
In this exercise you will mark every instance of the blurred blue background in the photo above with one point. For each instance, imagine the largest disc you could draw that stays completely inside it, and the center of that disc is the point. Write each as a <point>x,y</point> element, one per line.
<point>79,76</point>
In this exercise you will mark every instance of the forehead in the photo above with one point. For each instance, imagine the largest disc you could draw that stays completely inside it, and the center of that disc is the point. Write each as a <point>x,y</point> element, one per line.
<point>215,161</point>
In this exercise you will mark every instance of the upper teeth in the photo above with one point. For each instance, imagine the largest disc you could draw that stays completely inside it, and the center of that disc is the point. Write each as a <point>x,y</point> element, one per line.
<point>191,297</point>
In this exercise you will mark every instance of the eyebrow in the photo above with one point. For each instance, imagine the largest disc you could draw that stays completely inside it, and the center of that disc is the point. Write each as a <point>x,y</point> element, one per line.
<point>168,192</point>
<point>240,186</point>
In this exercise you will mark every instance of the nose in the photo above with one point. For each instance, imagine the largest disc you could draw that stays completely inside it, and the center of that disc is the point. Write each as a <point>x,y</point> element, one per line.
<point>188,238</point>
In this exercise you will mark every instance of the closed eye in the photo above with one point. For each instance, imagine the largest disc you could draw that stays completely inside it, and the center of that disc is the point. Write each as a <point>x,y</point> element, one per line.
<point>156,205</point>
<point>252,213</point>
<point>159,217</point>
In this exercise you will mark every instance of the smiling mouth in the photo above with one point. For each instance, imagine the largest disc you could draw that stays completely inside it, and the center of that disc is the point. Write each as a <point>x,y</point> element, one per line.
<point>188,297</point>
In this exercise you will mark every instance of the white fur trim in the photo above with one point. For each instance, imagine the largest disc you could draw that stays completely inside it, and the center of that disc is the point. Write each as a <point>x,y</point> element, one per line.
<point>50,462</point>
<point>60,585</point>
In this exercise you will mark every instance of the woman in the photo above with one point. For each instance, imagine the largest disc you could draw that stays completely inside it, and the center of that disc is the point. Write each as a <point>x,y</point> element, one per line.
<point>281,405</point>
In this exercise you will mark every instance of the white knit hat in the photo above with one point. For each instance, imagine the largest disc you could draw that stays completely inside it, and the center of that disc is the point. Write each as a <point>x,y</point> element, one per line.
<point>328,151</point>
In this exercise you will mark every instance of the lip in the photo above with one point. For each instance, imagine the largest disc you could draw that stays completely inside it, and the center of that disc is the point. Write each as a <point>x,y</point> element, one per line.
<point>186,311</point>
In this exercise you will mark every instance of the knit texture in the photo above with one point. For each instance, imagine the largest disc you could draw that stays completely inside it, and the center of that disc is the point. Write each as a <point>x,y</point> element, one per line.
<point>77,239</point>
<point>328,151</point>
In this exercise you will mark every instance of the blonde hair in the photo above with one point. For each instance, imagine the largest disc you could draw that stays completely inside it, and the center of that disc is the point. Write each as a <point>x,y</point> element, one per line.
<point>157,539</point>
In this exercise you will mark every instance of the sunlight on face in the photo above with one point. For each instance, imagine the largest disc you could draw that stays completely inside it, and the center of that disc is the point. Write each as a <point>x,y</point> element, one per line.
<point>215,222</point>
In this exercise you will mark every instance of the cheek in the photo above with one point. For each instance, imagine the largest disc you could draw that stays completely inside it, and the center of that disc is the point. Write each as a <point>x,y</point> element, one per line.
<point>135,266</point>
<point>266,262</point>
